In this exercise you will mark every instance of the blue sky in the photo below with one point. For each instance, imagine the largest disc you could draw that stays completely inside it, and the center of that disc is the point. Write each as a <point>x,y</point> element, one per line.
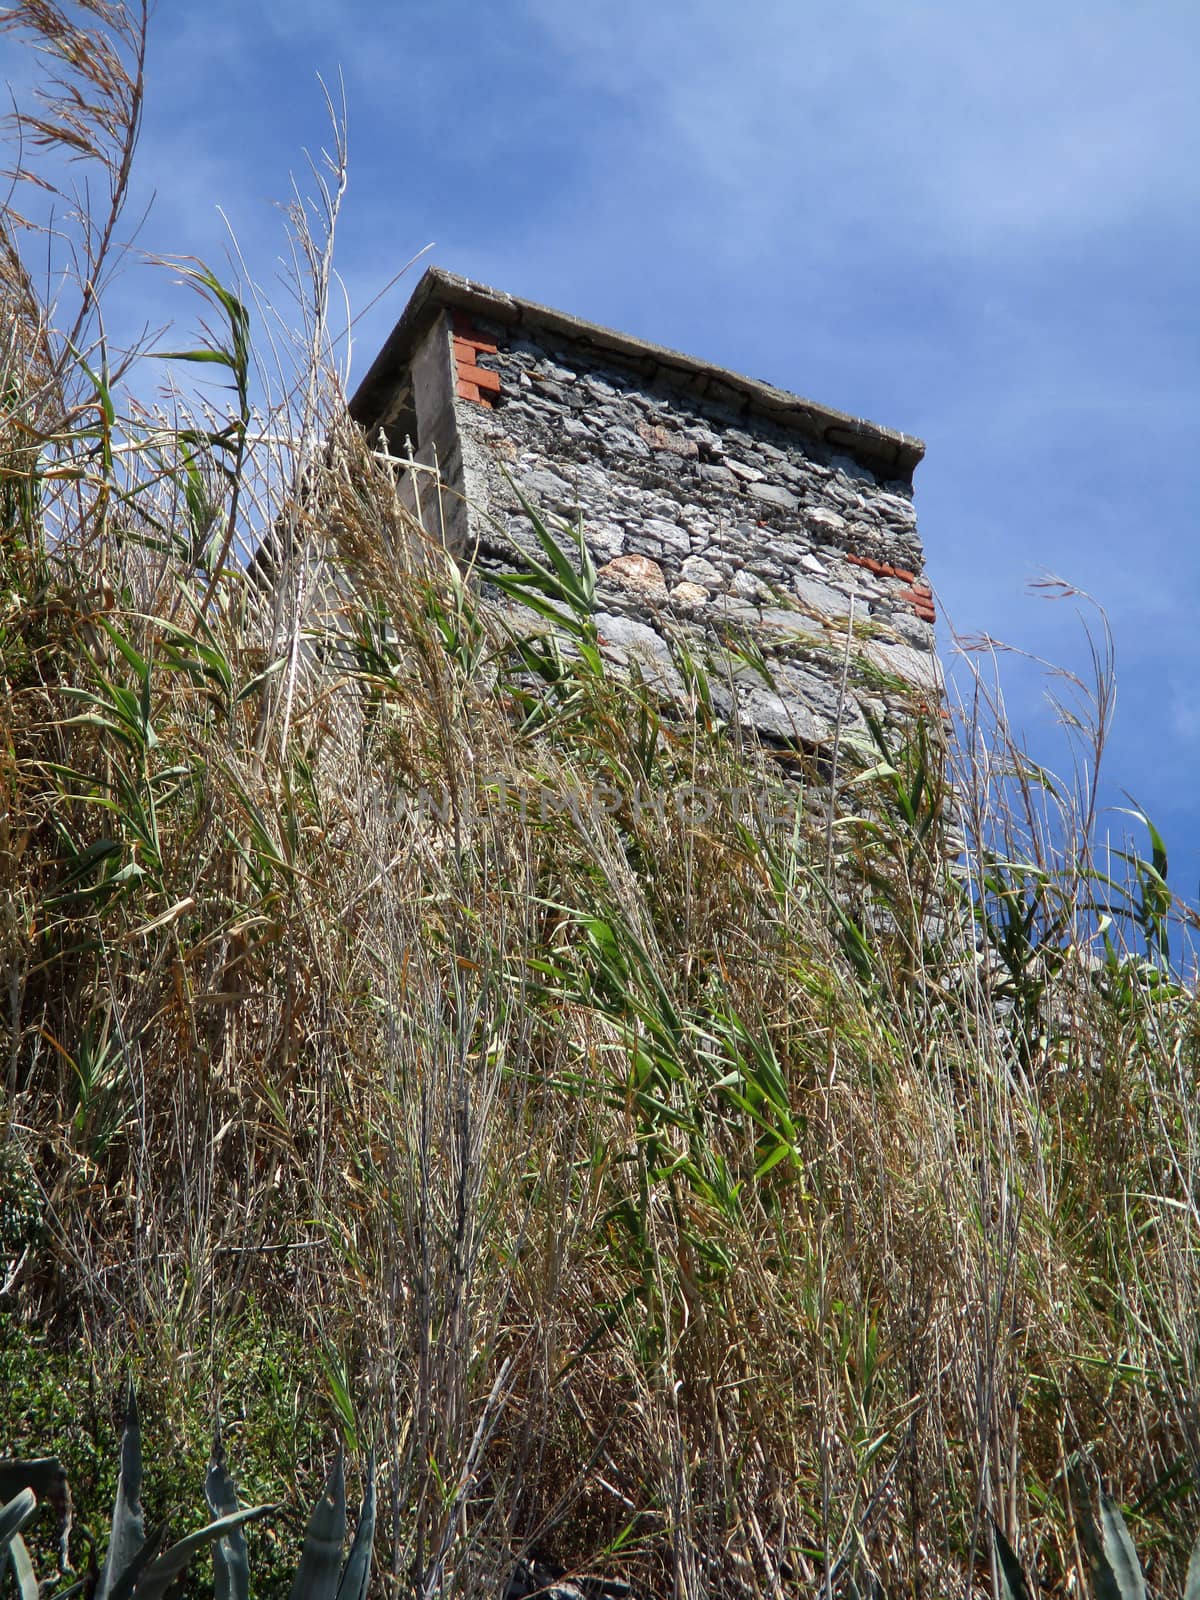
<point>975,223</point>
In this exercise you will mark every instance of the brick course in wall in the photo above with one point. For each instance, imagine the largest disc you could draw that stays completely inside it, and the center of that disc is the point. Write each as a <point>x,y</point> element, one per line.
<point>715,508</point>
<point>473,382</point>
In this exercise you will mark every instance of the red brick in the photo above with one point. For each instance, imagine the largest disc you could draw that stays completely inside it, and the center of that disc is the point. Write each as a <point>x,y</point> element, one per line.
<point>472,345</point>
<point>468,391</point>
<point>904,574</point>
<point>921,604</point>
<point>480,376</point>
<point>877,567</point>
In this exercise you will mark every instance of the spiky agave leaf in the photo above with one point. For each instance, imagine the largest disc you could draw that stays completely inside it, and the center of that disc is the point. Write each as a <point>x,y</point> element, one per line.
<point>357,1574</point>
<point>127,1537</point>
<point>22,1566</point>
<point>137,1565</point>
<point>129,1578</point>
<point>1116,1571</point>
<point>231,1568</point>
<point>15,1514</point>
<point>1118,1547</point>
<point>165,1568</point>
<point>46,1476</point>
<point>1012,1579</point>
<point>321,1556</point>
<point>231,1563</point>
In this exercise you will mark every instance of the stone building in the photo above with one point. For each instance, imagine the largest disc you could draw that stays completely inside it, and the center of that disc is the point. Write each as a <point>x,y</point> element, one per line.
<point>714,506</point>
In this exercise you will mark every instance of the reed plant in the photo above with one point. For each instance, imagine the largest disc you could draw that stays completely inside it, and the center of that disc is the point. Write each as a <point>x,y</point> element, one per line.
<point>672,1165</point>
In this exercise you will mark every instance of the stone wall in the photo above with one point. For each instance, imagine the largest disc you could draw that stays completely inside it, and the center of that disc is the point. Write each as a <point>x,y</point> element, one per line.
<point>714,507</point>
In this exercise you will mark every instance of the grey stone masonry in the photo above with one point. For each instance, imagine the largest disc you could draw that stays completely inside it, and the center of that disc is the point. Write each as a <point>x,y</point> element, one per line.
<point>777,538</point>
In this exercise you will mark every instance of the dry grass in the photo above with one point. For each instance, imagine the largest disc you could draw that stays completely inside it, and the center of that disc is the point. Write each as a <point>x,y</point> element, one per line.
<point>675,1197</point>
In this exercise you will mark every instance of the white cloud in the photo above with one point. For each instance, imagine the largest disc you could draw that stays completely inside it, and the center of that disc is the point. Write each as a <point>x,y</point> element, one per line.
<point>977,125</point>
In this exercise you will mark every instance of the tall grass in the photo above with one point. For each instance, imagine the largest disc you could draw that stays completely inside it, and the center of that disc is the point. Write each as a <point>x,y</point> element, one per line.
<point>412,1019</point>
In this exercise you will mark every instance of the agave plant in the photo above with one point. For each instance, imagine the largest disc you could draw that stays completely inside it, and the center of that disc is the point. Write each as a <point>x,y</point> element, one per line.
<point>136,1563</point>
<point>1116,1572</point>
<point>138,1567</point>
<point>14,1514</point>
<point>23,1487</point>
<point>142,1565</point>
<point>320,1575</point>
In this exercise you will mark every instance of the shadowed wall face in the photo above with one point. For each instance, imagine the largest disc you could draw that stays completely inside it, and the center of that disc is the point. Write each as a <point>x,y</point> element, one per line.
<point>709,512</point>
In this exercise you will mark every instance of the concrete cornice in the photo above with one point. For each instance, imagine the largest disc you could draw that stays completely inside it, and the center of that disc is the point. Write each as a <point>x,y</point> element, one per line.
<point>886,452</point>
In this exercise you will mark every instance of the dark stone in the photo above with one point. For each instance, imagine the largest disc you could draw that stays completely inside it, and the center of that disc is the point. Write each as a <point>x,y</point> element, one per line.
<point>774,495</point>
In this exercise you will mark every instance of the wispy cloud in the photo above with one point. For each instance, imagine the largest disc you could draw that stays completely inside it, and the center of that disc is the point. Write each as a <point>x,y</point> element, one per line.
<point>977,124</point>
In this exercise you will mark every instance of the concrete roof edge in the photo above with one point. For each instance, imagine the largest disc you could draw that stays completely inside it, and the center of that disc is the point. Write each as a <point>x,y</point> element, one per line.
<point>883,449</point>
